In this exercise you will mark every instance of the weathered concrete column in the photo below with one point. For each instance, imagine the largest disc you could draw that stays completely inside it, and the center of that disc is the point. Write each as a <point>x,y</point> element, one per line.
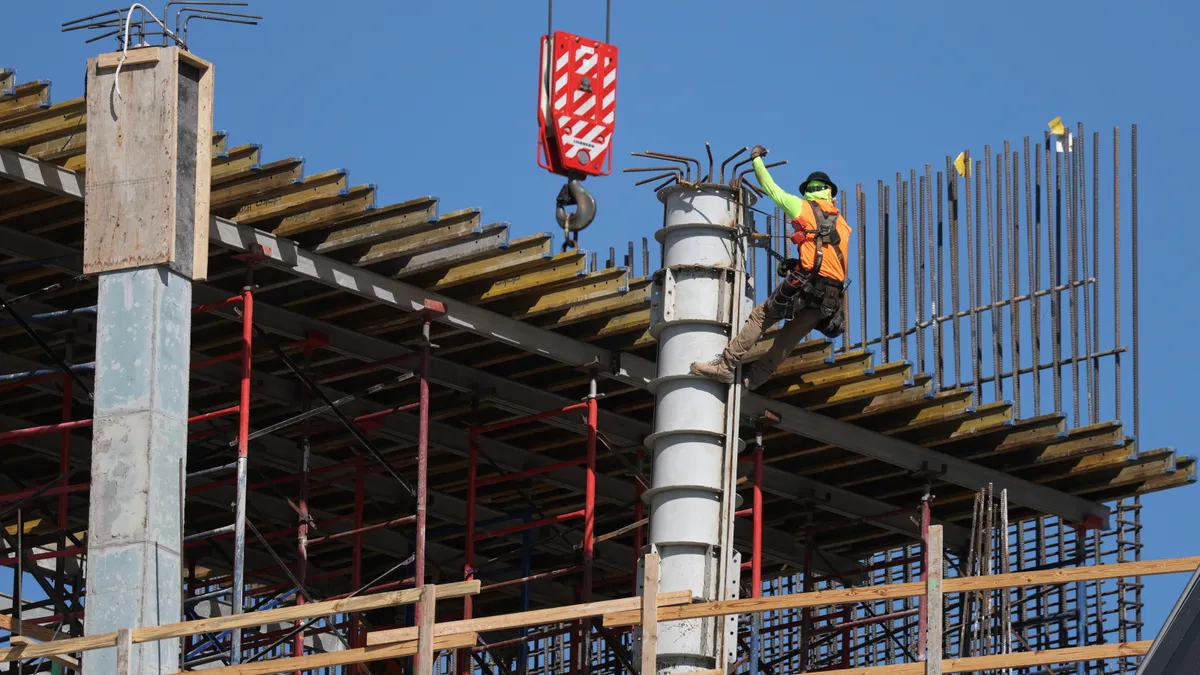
<point>145,237</point>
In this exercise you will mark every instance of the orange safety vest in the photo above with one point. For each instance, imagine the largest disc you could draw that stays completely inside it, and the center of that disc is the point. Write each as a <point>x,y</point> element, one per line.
<point>833,260</point>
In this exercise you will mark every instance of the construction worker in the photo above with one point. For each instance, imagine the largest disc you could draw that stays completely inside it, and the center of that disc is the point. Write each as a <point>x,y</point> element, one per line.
<point>810,294</point>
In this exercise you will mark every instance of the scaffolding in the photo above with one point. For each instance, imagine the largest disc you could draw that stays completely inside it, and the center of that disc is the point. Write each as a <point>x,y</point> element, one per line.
<point>331,491</point>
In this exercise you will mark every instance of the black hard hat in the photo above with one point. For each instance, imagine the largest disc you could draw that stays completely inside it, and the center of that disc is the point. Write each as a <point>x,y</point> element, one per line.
<point>821,176</point>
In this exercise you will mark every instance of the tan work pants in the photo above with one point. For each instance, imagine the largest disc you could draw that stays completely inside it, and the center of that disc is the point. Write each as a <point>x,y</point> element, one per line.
<point>786,339</point>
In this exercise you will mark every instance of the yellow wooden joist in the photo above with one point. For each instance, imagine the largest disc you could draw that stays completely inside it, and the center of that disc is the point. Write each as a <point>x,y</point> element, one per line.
<point>259,184</point>
<point>377,224</point>
<point>358,200</point>
<point>524,254</point>
<point>315,191</point>
<point>443,232</point>
<point>636,298</point>
<point>563,268</point>
<point>600,285</point>
<point>58,120</point>
<point>74,144</point>
<point>237,162</point>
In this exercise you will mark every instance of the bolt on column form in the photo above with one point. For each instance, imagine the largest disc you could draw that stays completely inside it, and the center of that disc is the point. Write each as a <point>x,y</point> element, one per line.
<point>700,295</point>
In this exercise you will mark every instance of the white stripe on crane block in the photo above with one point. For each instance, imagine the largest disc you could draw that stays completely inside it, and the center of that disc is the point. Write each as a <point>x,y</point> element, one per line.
<point>609,77</point>
<point>608,119</point>
<point>586,66</point>
<point>586,106</point>
<point>608,100</point>
<point>561,62</point>
<point>560,82</point>
<point>561,102</point>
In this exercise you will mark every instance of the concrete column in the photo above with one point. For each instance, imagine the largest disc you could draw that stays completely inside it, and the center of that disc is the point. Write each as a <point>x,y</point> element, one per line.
<point>697,299</point>
<point>145,238</point>
<point>139,444</point>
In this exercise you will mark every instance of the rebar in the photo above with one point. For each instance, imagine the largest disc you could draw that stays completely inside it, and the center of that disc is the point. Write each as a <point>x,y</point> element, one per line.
<point>952,195</point>
<point>902,260</point>
<point>884,208</point>
<point>1032,243</point>
<point>1133,244</point>
<point>1012,194</point>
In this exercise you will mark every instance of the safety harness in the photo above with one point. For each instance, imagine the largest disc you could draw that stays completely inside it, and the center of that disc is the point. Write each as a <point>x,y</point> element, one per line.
<point>807,285</point>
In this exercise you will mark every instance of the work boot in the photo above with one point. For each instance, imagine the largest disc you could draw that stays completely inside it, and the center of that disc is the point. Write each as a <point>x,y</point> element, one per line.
<point>718,369</point>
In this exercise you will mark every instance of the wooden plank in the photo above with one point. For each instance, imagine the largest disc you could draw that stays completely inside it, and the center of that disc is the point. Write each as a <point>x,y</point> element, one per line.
<point>426,613</point>
<point>909,590</point>
<point>27,629</point>
<point>995,662</point>
<point>124,651</point>
<point>217,624</point>
<point>790,601</point>
<point>60,659</point>
<point>344,657</point>
<point>133,57</point>
<point>204,158</point>
<point>934,611</point>
<point>650,614</point>
<point>535,617</point>
<point>1047,657</point>
<point>317,190</point>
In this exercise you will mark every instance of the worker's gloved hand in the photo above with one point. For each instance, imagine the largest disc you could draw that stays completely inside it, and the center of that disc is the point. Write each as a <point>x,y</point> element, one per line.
<point>758,151</point>
<point>786,265</point>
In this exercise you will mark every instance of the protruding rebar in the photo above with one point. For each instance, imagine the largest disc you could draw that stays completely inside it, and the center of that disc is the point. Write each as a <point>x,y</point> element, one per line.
<point>902,263</point>
<point>929,282</point>
<point>1133,243</point>
<point>862,262</point>
<point>972,273</point>
<point>1054,241</point>
<point>1031,239</point>
<point>994,314</point>
<point>730,159</point>
<point>1012,196</point>
<point>884,207</point>
<point>1089,346</point>
<point>952,196</point>
<point>1117,270</point>
<point>939,366</point>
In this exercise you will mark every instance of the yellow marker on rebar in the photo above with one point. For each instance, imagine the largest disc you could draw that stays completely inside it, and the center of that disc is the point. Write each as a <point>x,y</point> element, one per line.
<point>960,163</point>
<point>1056,126</point>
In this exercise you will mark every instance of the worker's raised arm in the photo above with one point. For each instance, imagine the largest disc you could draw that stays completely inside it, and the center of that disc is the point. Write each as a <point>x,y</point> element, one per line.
<point>788,202</point>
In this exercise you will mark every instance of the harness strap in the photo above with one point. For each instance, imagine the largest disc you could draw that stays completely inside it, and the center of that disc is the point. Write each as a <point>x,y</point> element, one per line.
<point>825,232</point>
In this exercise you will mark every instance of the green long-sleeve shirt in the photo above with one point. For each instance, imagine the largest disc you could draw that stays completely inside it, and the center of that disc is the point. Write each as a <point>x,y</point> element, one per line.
<point>788,202</point>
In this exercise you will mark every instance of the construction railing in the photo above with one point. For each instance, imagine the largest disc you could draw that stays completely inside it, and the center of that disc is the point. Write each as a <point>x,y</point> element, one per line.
<point>636,611</point>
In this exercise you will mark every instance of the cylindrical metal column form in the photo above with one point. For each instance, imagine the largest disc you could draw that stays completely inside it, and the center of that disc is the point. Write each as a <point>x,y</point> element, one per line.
<point>700,294</point>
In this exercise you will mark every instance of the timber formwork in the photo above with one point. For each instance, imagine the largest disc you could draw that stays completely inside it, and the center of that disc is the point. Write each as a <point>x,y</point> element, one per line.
<point>329,502</point>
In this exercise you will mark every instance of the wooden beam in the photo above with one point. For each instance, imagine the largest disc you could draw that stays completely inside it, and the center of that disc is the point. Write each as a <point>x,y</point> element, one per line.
<point>775,602</point>
<point>908,590</point>
<point>933,601</point>
<point>60,659</point>
<point>535,617</point>
<point>650,614</point>
<point>124,651</point>
<point>1003,661</point>
<point>217,624</point>
<point>426,613</point>
<point>27,629</point>
<point>1072,574</point>
<point>343,657</point>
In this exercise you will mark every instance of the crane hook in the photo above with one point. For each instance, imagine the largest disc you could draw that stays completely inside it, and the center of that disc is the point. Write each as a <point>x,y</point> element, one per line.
<point>574,194</point>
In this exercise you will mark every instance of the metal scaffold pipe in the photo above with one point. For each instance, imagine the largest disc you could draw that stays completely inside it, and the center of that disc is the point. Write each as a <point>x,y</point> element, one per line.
<point>700,294</point>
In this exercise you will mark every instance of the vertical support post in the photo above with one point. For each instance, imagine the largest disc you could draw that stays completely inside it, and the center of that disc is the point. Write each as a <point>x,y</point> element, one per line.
<point>360,488</point>
<point>923,610</point>
<point>243,456</point>
<point>756,552</point>
<point>933,601</point>
<point>583,657</point>
<point>463,657</point>
<point>124,651</point>
<point>423,452</point>
<point>806,613</point>
<point>426,612</point>
<point>650,614</point>
<point>302,507</point>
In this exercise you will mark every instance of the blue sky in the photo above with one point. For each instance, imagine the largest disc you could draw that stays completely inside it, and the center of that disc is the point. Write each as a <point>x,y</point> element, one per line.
<point>439,98</point>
